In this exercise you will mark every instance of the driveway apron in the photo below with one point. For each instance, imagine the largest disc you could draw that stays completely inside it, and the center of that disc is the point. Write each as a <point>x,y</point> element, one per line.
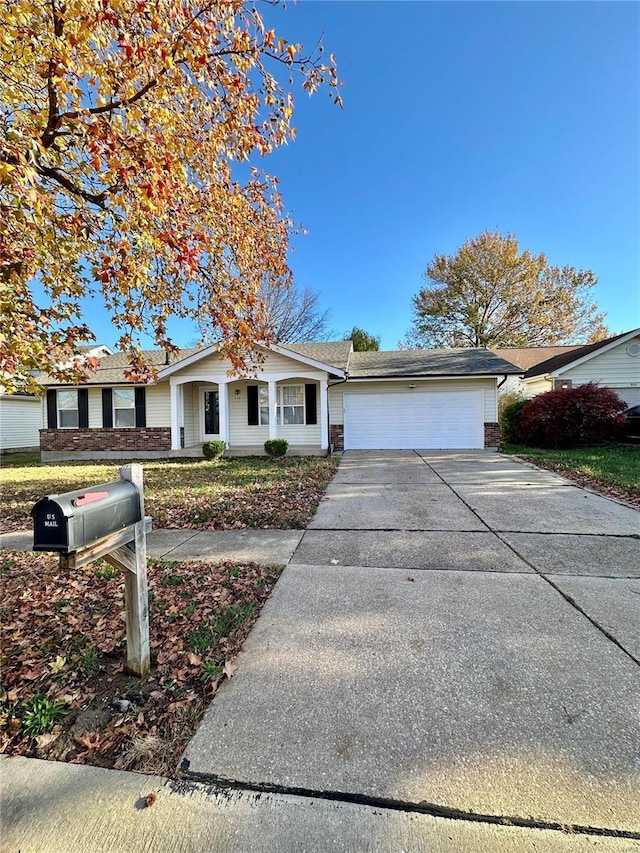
<point>456,633</point>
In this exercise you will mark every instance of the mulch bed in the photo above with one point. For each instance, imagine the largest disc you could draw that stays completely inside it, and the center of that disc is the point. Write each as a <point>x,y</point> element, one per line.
<point>65,694</point>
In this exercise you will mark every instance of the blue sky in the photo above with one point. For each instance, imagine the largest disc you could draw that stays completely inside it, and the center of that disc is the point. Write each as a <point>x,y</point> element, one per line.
<point>460,117</point>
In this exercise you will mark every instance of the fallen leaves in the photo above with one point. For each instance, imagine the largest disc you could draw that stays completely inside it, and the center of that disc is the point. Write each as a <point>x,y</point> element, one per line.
<point>74,654</point>
<point>233,494</point>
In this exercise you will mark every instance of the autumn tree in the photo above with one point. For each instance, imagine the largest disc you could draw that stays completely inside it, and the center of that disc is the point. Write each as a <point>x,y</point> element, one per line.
<point>363,341</point>
<point>120,125</point>
<point>491,294</point>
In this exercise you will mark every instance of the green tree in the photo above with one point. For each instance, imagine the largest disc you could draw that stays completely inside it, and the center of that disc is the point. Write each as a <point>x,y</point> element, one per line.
<point>491,294</point>
<point>363,341</point>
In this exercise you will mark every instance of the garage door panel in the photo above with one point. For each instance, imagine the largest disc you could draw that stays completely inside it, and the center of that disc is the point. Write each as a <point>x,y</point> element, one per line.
<point>397,420</point>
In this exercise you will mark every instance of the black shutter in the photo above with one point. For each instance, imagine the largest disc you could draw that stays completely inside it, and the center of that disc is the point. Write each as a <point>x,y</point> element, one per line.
<point>52,409</point>
<point>311,408</point>
<point>107,408</point>
<point>252,405</point>
<point>141,410</point>
<point>83,408</point>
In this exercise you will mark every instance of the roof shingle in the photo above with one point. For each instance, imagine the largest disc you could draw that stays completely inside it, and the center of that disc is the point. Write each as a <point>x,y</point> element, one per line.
<point>429,362</point>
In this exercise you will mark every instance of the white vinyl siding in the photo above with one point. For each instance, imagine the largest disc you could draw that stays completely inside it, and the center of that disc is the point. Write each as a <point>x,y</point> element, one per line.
<point>407,419</point>
<point>614,368</point>
<point>20,422</point>
<point>488,386</point>
<point>215,366</point>
<point>538,385</point>
<point>158,405</point>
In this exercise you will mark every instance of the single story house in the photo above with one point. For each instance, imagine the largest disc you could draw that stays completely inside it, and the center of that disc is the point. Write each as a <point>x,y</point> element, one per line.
<point>318,397</point>
<point>613,363</point>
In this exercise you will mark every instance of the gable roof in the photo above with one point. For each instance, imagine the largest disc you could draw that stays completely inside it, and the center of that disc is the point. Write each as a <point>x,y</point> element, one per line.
<point>561,362</point>
<point>336,356</point>
<point>527,357</point>
<point>313,355</point>
<point>335,353</point>
<point>464,361</point>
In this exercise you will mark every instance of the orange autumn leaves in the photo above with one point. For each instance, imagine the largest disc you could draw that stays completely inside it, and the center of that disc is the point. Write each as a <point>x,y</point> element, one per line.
<point>122,121</point>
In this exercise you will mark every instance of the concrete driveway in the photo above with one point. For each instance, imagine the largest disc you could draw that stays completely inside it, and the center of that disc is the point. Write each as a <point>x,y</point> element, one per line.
<point>457,633</point>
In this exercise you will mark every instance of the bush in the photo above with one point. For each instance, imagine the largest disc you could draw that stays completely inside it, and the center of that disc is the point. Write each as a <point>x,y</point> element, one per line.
<point>213,449</point>
<point>510,408</point>
<point>571,416</point>
<point>275,447</point>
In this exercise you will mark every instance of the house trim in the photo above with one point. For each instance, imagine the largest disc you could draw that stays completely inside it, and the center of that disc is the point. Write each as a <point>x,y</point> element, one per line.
<point>212,350</point>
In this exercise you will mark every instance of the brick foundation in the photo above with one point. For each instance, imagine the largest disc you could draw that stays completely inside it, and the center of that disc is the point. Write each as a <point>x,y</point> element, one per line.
<point>336,436</point>
<point>491,435</point>
<point>121,440</point>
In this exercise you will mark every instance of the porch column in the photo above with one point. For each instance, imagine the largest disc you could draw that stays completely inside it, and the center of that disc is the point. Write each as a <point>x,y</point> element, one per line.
<point>175,416</point>
<point>273,411</point>
<point>324,415</point>
<point>223,408</point>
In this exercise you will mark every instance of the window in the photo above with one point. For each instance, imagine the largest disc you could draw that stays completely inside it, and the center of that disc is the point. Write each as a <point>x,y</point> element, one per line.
<point>263,401</point>
<point>291,404</point>
<point>68,417</point>
<point>124,407</point>
<point>295,404</point>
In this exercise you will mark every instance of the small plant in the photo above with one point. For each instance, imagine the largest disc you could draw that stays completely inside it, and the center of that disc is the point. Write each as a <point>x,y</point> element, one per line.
<point>211,671</point>
<point>191,608</point>
<point>89,661</point>
<point>41,716</point>
<point>200,639</point>
<point>106,572</point>
<point>61,602</point>
<point>231,617</point>
<point>276,447</point>
<point>213,449</point>
<point>510,408</point>
<point>171,580</point>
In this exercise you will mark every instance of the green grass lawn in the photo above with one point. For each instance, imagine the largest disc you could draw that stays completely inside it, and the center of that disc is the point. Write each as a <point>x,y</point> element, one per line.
<point>615,466</point>
<point>182,493</point>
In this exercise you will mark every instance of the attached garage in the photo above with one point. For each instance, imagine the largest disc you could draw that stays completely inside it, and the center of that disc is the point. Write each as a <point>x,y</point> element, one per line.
<point>421,419</point>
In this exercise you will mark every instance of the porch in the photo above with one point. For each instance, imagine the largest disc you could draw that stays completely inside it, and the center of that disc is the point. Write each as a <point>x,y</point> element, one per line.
<point>244,413</point>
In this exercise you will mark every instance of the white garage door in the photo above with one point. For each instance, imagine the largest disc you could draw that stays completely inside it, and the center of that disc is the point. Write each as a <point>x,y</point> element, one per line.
<point>415,419</point>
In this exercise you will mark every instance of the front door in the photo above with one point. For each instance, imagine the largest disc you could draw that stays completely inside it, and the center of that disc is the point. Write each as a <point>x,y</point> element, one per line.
<point>211,409</point>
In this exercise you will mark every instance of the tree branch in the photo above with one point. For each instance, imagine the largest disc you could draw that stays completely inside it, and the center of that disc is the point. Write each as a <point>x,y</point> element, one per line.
<point>60,178</point>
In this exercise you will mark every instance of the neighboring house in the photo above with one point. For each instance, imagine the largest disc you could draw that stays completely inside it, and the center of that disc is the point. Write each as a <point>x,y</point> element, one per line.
<point>526,358</point>
<point>21,413</point>
<point>613,363</point>
<point>315,396</point>
<point>20,422</point>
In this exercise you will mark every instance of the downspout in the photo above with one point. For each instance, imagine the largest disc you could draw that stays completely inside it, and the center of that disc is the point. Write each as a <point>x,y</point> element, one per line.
<point>332,385</point>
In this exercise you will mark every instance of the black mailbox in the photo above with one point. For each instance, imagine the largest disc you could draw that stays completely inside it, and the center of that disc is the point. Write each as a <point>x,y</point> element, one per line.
<point>73,520</point>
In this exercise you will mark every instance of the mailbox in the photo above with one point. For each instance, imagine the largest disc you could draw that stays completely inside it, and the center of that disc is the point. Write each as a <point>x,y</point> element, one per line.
<point>68,522</point>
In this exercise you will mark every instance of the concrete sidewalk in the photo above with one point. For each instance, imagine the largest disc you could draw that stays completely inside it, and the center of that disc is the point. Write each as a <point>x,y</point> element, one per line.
<point>268,547</point>
<point>65,808</point>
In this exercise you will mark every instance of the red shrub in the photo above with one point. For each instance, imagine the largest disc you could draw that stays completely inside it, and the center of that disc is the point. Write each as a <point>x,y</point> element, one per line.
<point>571,416</point>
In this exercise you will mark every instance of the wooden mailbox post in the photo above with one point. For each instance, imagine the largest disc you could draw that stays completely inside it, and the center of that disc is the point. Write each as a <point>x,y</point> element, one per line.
<point>105,522</point>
